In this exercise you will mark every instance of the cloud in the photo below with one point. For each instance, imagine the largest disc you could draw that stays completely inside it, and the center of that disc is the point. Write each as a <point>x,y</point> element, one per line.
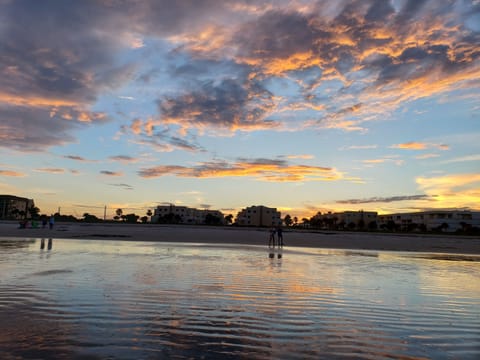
<point>454,190</point>
<point>228,104</point>
<point>111,173</point>
<point>467,158</point>
<point>123,186</point>
<point>387,199</point>
<point>261,169</point>
<point>123,159</point>
<point>352,62</point>
<point>51,170</point>
<point>412,145</point>
<point>76,158</point>
<point>11,173</point>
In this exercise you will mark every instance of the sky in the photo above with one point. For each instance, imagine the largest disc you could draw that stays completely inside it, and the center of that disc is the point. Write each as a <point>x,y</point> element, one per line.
<point>305,106</point>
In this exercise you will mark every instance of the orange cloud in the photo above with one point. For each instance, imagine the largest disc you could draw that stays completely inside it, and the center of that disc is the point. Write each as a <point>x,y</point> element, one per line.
<point>457,190</point>
<point>11,173</point>
<point>51,170</point>
<point>275,171</point>
<point>412,145</point>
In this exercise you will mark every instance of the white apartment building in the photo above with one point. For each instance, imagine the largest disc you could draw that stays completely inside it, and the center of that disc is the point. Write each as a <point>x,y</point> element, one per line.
<point>259,216</point>
<point>185,214</point>
<point>450,220</point>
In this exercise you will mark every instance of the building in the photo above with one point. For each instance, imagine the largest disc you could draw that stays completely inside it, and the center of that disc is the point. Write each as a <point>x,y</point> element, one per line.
<point>185,215</point>
<point>15,207</point>
<point>445,220</point>
<point>259,216</point>
<point>346,219</point>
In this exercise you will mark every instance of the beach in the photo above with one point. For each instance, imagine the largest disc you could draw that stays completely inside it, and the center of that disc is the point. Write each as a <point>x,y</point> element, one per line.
<point>436,243</point>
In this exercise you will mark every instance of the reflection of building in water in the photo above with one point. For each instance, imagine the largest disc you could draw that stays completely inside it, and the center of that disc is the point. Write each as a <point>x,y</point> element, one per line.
<point>259,216</point>
<point>445,220</point>
<point>15,207</point>
<point>185,215</point>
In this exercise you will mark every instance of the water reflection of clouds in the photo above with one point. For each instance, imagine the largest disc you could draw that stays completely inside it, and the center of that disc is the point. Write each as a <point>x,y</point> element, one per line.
<point>225,300</point>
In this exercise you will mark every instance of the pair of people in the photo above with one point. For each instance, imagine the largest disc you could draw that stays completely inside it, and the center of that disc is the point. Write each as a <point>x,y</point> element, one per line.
<point>279,232</point>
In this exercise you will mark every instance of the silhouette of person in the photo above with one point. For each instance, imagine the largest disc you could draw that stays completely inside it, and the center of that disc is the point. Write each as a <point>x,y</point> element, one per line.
<point>50,243</point>
<point>280,236</point>
<point>51,221</point>
<point>42,244</point>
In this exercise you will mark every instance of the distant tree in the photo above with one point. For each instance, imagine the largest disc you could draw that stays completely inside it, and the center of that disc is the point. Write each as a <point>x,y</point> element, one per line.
<point>116,218</point>
<point>295,221</point>
<point>390,225</point>
<point>211,219</point>
<point>351,225</point>
<point>288,220</point>
<point>443,227</point>
<point>119,213</point>
<point>361,224</point>
<point>305,222</point>
<point>144,219</point>
<point>123,217</point>
<point>149,214</point>
<point>372,225</point>
<point>90,218</point>
<point>34,212</point>
<point>131,218</point>
<point>229,219</point>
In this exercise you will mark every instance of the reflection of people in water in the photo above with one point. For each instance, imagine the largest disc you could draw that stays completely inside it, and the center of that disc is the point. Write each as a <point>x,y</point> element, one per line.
<point>49,245</point>
<point>271,239</point>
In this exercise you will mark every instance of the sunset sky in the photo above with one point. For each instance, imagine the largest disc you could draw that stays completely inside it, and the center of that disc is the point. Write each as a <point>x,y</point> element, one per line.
<point>305,106</point>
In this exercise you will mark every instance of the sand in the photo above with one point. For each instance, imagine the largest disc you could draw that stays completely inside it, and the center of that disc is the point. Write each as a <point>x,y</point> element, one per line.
<point>451,244</point>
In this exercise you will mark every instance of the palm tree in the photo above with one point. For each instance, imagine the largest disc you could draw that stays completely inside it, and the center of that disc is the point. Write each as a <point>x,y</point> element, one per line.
<point>288,220</point>
<point>229,219</point>
<point>119,213</point>
<point>149,213</point>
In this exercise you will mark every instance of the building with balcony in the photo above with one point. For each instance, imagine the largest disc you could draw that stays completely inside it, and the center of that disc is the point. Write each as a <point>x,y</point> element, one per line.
<point>15,207</point>
<point>186,215</point>
<point>445,220</point>
<point>259,216</point>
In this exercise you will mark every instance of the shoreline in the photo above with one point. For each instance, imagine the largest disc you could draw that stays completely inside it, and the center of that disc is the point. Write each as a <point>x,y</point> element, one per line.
<point>449,244</point>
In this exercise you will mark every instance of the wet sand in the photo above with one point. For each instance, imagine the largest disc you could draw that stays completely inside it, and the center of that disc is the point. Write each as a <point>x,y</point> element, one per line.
<point>250,236</point>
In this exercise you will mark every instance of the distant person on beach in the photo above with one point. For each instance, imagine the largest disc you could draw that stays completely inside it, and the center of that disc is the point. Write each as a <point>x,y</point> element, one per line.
<point>51,221</point>
<point>280,236</point>
<point>271,239</point>
<point>44,222</point>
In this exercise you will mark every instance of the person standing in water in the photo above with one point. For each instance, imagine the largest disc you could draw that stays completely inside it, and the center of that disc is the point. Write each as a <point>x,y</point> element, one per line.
<point>280,236</point>
<point>271,239</point>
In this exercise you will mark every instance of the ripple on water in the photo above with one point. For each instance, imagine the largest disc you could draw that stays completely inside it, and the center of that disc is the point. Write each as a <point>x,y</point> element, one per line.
<point>133,300</point>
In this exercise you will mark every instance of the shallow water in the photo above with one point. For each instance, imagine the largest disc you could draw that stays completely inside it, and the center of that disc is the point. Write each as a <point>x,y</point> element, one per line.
<point>88,299</point>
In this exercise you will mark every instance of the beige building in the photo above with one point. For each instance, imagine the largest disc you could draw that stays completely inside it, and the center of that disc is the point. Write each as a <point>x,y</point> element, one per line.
<point>259,216</point>
<point>15,207</point>
<point>186,215</point>
<point>347,219</point>
<point>448,220</point>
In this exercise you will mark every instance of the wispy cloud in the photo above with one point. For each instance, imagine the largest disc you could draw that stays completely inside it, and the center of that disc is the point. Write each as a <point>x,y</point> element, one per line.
<point>387,199</point>
<point>51,170</point>
<point>111,173</point>
<point>123,186</point>
<point>262,169</point>
<point>412,145</point>
<point>11,173</point>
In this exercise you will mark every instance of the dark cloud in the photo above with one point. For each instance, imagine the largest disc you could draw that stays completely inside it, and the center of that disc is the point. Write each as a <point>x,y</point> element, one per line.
<point>379,10</point>
<point>386,199</point>
<point>110,173</point>
<point>33,130</point>
<point>228,104</point>
<point>75,157</point>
